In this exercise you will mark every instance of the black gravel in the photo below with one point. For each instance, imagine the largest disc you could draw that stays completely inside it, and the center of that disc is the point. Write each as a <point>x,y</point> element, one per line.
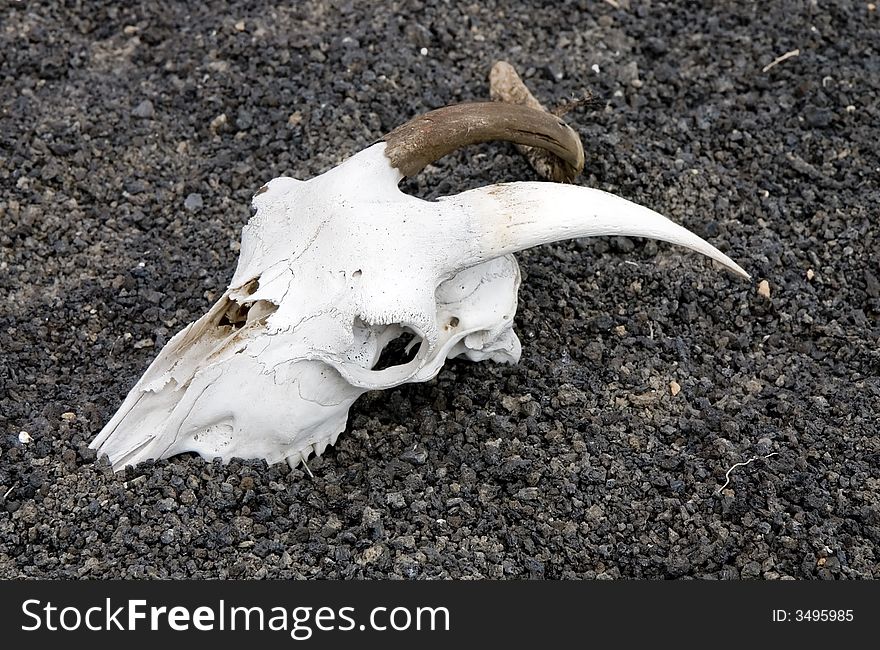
<point>132,139</point>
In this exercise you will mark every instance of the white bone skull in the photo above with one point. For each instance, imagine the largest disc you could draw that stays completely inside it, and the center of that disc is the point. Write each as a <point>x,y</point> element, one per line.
<point>333,269</point>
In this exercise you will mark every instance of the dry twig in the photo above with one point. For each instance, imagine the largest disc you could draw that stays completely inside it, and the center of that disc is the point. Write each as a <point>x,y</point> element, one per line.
<point>750,460</point>
<point>780,59</point>
<point>9,491</point>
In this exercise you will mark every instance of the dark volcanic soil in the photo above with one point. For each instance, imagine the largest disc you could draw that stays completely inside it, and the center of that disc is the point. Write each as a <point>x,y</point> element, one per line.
<point>579,461</point>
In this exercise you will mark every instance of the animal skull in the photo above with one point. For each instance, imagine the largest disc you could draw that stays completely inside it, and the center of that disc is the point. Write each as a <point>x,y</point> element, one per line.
<point>334,269</point>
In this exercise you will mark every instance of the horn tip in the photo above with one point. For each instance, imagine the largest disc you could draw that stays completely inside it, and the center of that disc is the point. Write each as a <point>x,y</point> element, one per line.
<point>740,271</point>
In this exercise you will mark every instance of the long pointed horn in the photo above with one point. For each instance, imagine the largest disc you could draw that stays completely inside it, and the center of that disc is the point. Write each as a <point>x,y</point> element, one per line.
<point>414,145</point>
<point>511,217</point>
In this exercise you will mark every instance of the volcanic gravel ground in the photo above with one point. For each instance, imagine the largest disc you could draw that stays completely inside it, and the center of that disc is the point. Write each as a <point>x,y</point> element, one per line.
<point>132,140</point>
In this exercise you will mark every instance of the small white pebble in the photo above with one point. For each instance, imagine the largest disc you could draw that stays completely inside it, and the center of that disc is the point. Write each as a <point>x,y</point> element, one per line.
<point>764,289</point>
<point>218,122</point>
<point>239,26</point>
<point>595,68</point>
<point>810,274</point>
<point>424,51</point>
<point>674,388</point>
<point>70,416</point>
<point>24,437</point>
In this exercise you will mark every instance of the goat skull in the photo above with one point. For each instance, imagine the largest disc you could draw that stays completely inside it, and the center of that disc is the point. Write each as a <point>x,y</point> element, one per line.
<point>335,268</point>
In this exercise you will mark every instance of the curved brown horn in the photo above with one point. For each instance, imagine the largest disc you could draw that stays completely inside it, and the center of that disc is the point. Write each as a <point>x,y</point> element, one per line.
<point>505,85</point>
<point>413,146</point>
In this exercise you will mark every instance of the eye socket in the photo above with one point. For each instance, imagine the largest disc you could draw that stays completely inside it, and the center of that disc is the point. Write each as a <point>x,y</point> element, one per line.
<point>398,351</point>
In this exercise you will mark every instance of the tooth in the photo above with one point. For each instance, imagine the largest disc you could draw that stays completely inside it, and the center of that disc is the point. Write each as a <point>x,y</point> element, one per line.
<point>293,460</point>
<point>321,447</point>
